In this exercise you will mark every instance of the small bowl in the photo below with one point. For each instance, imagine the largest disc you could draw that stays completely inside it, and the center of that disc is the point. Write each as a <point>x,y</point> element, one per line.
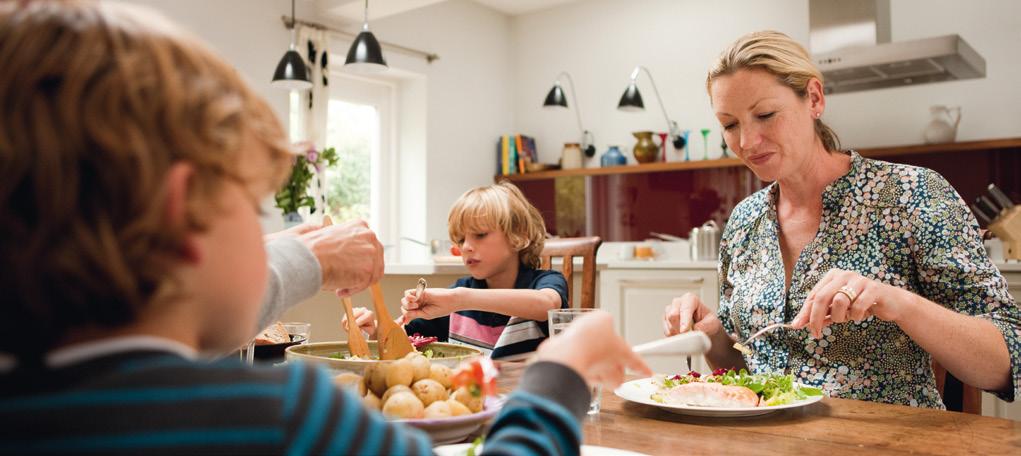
<point>274,352</point>
<point>536,167</point>
<point>450,355</point>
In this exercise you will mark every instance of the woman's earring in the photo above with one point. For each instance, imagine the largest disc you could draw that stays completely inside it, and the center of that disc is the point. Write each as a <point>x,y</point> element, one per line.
<point>818,115</point>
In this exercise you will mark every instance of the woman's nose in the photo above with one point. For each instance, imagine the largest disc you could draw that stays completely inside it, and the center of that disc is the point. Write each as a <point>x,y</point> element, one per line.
<point>750,137</point>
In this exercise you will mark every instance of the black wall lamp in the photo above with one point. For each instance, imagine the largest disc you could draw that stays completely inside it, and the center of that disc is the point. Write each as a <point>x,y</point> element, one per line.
<point>556,99</point>
<point>631,101</point>
<point>291,72</point>
<point>365,54</point>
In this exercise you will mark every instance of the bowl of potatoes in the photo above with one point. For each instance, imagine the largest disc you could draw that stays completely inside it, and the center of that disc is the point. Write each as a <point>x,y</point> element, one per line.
<point>336,356</point>
<point>416,390</point>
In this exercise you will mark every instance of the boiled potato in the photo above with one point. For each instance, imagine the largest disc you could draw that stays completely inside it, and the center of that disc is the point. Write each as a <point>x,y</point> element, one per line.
<point>375,378</point>
<point>372,401</point>
<point>354,382</point>
<point>457,408</point>
<point>404,405</point>
<point>399,372</point>
<point>464,396</point>
<point>429,391</point>
<point>441,374</point>
<point>420,364</point>
<point>438,409</point>
<point>394,390</point>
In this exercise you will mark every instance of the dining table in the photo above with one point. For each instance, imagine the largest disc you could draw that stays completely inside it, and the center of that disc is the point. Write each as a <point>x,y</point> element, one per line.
<point>831,426</point>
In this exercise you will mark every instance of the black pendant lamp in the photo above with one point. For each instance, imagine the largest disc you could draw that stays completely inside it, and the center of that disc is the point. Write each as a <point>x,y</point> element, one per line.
<point>291,72</point>
<point>365,54</point>
<point>631,101</point>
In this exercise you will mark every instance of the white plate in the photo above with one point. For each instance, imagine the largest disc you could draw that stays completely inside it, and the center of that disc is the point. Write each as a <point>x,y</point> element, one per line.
<point>586,450</point>
<point>640,390</point>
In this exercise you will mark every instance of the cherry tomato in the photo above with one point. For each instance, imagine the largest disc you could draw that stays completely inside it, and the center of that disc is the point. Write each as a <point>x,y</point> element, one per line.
<point>454,250</point>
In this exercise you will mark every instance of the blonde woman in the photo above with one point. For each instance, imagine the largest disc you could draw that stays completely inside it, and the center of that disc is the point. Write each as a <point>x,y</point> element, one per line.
<point>501,306</point>
<point>878,266</point>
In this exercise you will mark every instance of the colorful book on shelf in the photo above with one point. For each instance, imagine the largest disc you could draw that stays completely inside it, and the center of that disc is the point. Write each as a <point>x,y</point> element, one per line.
<point>505,155</point>
<point>512,155</point>
<point>529,143</point>
<point>521,153</point>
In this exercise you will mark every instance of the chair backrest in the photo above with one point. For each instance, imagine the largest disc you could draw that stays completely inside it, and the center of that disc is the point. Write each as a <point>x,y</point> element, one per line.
<point>957,395</point>
<point>568,248</point>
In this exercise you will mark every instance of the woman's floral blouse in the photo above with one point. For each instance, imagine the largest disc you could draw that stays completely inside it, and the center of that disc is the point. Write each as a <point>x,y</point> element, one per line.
<point>902,225</point>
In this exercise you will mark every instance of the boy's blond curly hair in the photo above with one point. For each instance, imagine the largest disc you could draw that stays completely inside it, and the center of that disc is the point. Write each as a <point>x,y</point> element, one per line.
<point>99,100</point>
<point>503,207</point>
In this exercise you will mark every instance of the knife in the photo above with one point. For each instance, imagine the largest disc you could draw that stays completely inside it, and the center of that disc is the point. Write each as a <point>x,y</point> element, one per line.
<point>1000,197</point>
<point>687,344</point>
<point>981,214</point>
<point>985,203</point>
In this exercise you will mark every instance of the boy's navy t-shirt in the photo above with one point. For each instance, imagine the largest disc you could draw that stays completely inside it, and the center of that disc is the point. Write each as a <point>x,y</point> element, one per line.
<point>495,334</point>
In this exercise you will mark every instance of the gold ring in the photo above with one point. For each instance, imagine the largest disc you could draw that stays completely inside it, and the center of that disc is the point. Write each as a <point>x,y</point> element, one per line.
<point>849,292</point>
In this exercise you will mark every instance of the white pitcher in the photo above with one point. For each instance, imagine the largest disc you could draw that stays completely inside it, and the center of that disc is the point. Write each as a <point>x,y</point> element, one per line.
<point>943,126</point>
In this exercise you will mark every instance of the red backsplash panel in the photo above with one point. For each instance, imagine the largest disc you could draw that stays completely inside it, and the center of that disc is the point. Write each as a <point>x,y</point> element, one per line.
<point>627,207</point>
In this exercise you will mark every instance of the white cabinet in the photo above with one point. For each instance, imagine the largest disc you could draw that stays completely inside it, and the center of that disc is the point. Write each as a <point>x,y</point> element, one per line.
<point>637,297</point>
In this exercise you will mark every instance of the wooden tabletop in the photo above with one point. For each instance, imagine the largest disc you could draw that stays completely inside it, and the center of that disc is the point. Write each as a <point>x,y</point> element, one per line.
<point>828,427</point>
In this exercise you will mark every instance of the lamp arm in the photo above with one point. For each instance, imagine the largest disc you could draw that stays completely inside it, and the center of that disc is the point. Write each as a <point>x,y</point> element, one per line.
<point>574,99</point>
<point>672,127</point>
<point>587,140</point>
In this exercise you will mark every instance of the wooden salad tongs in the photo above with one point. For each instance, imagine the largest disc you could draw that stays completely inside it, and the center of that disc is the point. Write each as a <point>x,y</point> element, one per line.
<point>392,340</point>
<point>355,341</point>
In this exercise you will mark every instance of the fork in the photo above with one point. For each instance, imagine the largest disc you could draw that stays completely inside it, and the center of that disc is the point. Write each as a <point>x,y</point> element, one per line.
<point>743,346</point>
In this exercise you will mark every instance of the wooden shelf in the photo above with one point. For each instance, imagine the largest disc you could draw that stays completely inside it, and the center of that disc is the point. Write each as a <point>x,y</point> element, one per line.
<point>966,146</point>
<point>626,169</point>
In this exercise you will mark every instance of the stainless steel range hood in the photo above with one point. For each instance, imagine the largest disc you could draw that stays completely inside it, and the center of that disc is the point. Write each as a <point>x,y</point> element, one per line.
<point>850,43</point>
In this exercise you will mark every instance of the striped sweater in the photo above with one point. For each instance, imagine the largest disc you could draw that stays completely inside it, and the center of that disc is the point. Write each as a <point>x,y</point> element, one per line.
<point>497,335</point>
<point>152,402</point>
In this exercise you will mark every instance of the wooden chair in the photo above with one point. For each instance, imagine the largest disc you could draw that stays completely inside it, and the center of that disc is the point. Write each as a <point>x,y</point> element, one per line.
<point>568,248</point>
<point>957,395</point>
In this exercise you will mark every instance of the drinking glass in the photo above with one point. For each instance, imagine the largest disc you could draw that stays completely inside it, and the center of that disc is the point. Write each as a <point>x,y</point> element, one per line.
<point>298,330</point>
<point>559,319</point>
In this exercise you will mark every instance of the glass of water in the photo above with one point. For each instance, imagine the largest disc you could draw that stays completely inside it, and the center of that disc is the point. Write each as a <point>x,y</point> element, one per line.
<point>559,319</point>
<point>299,331</point>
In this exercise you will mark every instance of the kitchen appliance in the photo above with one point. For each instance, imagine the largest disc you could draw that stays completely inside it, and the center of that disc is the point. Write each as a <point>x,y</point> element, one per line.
<point>850,43</point>
<point>1006,221</point>
<point>705,241</point>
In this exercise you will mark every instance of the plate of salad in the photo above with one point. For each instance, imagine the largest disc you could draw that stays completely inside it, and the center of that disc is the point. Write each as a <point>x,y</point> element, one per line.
<point>724,393</point>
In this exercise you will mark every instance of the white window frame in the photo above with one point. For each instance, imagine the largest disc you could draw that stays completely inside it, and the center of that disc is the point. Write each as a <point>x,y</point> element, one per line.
<point>382,94</point>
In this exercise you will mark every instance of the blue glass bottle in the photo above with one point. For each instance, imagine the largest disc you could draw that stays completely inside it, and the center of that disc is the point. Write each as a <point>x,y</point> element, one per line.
<point>612,157</point>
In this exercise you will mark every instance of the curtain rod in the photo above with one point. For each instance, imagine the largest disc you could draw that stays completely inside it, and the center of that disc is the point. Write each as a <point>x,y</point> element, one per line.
<point>428,56</point>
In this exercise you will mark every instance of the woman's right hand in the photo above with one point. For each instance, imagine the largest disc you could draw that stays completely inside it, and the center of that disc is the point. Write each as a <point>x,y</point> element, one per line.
<point>364,318</point>
<point>688,312</point>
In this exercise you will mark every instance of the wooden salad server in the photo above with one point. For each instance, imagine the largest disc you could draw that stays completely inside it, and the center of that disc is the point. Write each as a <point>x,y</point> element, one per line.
<point>393,341</point>
<point>355,341</point>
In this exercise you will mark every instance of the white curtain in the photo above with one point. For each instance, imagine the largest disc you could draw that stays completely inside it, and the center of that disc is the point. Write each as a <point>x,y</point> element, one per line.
<point>313,44</point>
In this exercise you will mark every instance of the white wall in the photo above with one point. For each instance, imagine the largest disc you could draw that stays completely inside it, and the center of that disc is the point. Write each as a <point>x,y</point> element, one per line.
<point>247,34</point>
<point>469,103</point>
<point>251,37</point>
<point>600,41</point>
<point>991,106</point>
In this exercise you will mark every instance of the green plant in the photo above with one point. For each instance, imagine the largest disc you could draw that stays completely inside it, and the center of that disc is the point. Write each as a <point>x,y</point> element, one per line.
<point>294,195</point>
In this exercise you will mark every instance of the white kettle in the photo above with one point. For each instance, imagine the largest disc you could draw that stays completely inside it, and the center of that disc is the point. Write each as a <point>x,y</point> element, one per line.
<point>943,126</point>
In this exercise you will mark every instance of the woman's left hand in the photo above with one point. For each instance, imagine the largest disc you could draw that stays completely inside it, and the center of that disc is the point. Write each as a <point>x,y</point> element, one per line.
<point>843,296</point>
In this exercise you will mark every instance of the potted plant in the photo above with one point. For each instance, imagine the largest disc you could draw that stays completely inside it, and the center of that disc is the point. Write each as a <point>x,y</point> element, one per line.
<point>294,195</point>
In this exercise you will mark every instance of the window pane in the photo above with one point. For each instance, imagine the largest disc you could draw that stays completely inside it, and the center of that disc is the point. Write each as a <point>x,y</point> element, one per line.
<point>353,129</point>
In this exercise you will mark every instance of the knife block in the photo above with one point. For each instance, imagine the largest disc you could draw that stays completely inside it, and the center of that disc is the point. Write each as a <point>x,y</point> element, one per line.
<point>1007,227</point>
